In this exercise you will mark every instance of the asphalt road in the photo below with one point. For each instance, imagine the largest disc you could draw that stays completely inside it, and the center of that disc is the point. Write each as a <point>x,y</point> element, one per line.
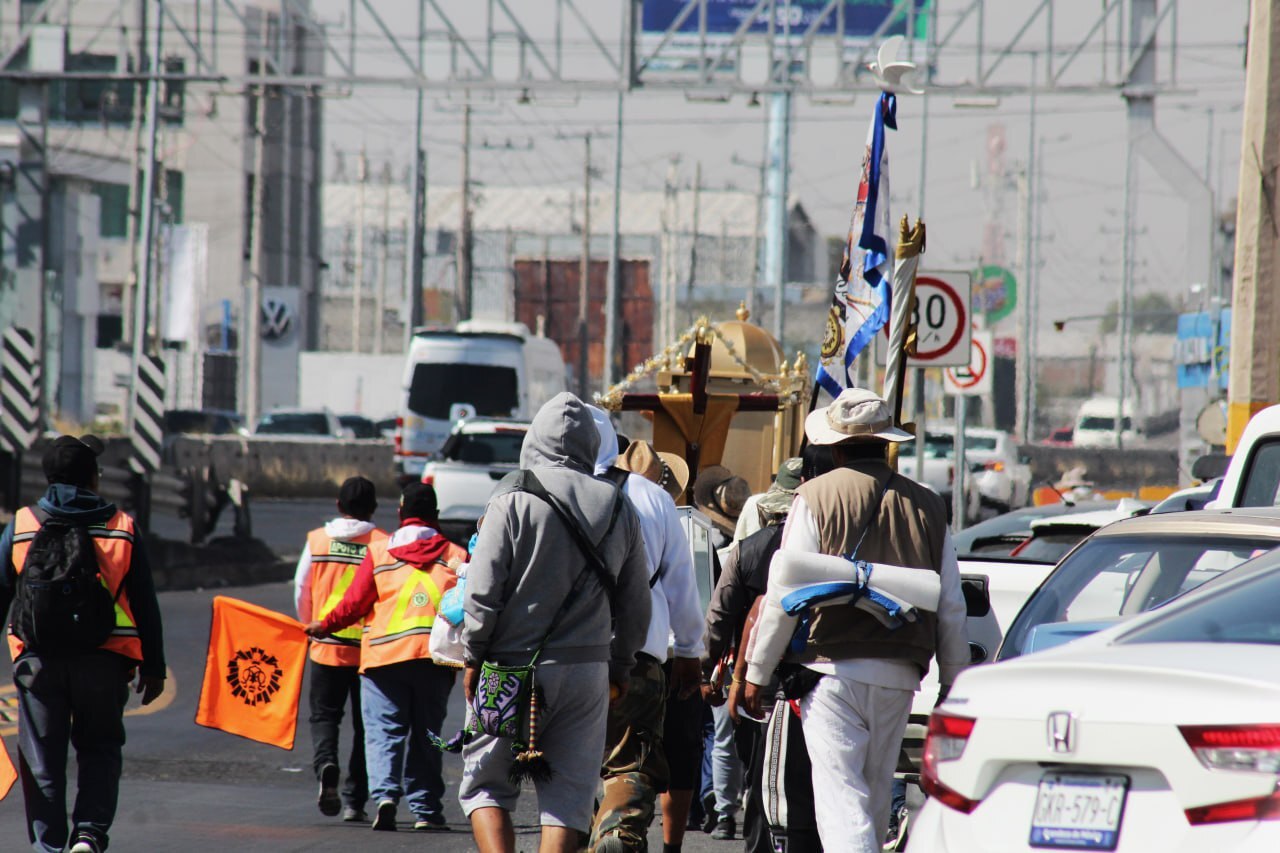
<point>197,790</point>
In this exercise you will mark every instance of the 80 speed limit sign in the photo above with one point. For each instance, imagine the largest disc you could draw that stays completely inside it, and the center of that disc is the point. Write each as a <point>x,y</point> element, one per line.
<point>942,321</point>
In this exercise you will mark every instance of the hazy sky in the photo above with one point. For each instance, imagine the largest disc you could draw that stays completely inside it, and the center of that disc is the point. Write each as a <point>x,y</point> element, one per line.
<point>1082,154</point>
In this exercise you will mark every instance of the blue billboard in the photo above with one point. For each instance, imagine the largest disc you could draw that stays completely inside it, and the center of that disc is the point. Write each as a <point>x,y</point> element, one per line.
<point>862,18</point>
<point>1203,349</point>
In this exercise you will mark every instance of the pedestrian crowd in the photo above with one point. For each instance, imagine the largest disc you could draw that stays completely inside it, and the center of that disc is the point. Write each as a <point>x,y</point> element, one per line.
<point>594,676</point>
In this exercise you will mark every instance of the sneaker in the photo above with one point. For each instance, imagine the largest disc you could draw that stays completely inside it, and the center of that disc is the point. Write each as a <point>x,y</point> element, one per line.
<point>611,844</point>
<point>353,814</point>
<point>725,829</point>
<point>385,820</point>
<point>329,802</point>
<point>708,813</point>
<point>85,843</point>
<point>435,823</point>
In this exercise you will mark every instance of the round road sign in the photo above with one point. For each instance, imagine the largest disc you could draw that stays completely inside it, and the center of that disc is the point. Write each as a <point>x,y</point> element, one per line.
<point>975,377</point>
<point>941,316</point>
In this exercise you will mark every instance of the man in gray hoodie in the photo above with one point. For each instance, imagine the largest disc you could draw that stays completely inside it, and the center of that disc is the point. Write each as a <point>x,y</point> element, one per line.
<point>525,564</point>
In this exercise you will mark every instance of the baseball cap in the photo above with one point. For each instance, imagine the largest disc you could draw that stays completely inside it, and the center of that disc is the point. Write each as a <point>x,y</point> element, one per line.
<point>71,460</point>
<point>357,498</point>
<point>418,500</point>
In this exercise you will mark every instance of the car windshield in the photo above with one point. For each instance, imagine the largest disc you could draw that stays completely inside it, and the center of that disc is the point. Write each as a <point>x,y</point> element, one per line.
<point>485,448</point>
<point>1095,422</point>
<point>195,423</point>
<point>939,446</point>
<point>1050,546</point>
<point>1244,612</point>
<point>437,387</point>
<point>1113,576</point>
<point>981,443</point>
<point>294,423</point>
<point>361,427</point>
<point>1000,536</point>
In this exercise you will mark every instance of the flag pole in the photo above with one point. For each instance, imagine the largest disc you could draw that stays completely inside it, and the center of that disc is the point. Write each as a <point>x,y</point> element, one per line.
<point>911,244</point>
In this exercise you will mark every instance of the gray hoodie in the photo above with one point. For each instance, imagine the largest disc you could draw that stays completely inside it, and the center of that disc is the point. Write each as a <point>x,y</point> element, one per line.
<point>526,562</point>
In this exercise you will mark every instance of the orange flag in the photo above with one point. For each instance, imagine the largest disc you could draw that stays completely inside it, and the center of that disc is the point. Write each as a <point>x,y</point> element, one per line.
<point>253,673</point>
<point>7,774</point>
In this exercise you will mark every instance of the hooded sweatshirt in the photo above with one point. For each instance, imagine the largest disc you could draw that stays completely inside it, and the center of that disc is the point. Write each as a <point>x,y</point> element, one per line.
<point>81,506</point>
<point>526,561</point>
<point>343,529</point>
<point>413,542</point>
<point>676,620</point>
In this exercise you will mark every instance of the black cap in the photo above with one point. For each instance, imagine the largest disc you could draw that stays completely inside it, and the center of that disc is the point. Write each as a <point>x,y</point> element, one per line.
<point>418,500</point>
<point>358,498</point>
<point>73,461</point>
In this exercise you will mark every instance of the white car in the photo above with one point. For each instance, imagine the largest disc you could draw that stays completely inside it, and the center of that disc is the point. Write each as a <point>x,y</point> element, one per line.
<point>997,469</point>
<point>1160,734</point>
<point>478,453</point>
<point>301,423</point>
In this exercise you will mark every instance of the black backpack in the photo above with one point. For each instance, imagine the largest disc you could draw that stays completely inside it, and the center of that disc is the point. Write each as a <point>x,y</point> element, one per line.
<point>61,605</point>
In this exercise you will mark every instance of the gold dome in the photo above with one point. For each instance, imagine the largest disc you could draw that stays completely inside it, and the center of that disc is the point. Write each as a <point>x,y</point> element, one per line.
<point>751,343</point>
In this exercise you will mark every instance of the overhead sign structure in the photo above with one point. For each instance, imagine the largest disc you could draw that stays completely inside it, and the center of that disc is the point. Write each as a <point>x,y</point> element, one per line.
<point>942,321</point>
<point>862,19</point>
<point>974,378</point>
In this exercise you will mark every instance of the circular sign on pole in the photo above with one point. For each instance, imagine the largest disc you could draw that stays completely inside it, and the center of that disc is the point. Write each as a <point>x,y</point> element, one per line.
<point>996,293</point>
<point>942,321</point>
<point>973,379</point>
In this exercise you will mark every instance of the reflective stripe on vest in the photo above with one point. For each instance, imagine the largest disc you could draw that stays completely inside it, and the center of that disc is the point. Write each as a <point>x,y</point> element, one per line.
<point>399,629</point>
<point>114,543</point>
<point>419,590</point>
<point>333,567</point>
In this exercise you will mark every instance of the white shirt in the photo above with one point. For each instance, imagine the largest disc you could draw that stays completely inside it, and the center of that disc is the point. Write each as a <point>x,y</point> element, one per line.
<point>801,534</point>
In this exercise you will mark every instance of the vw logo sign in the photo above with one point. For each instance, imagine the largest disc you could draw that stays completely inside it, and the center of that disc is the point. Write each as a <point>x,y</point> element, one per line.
<point>277,319</point>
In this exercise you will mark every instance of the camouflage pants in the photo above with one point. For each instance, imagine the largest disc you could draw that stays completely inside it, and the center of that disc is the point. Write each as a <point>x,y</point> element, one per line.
<point>635,766</point>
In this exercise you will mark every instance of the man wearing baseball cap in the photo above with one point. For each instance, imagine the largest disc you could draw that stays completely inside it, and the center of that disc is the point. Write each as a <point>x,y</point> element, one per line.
<point>59,679</point>
<point>863,674</point>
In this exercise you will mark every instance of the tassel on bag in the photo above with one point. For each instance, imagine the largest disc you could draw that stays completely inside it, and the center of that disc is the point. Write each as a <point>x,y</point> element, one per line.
<point>530,764</point>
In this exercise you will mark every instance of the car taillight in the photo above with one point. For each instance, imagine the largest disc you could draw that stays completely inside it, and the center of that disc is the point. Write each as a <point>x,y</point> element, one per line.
<point>428,479</point>
<point>948,735</point>
<point>399,436</point>
<point>1259,808</point>
<point>1247,747</point>
<point>994,466</point>
<point>951,475</point>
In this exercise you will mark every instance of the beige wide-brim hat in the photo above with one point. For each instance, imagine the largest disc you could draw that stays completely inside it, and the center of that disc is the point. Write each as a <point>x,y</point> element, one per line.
<point>721,495</point>
<point>666,469</point>
<point>856,415</point>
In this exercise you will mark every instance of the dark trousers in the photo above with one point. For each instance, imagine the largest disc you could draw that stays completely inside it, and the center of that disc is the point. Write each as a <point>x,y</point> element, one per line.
<point>802,829</point>
<point>76,699</point>
<point>331,689</point>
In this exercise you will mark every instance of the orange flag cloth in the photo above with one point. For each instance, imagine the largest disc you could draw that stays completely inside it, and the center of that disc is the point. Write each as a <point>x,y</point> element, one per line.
<point>7,774</point>
<point>253,673</point>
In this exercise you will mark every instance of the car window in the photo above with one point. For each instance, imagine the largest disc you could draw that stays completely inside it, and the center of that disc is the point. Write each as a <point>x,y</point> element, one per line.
<point>294,423</point>
<point>1114,576</point>
<point>485,448</point>
<point>980,442</point>
<point>1262,476</point>
<point>1244,612</point>
<point>1051,547</point>
<point>435,388</point>
<point>939,446</point>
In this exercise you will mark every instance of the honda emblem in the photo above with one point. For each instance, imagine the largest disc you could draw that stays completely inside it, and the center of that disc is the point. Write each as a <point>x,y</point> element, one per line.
<point>1062,731</point>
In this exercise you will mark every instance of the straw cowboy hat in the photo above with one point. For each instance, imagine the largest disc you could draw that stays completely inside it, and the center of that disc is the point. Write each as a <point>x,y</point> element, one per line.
<point>856,415</point>
<point>720,494</point>
<point>666,469</point>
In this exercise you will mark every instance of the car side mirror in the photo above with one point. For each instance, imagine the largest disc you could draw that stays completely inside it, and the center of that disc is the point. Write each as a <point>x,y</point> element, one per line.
<point>977,653</point>
<point>977,598</point>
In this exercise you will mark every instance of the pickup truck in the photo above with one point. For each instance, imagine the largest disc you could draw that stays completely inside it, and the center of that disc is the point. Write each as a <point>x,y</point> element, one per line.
<point>1252,477</point>
<point>477,454</point>
<point>939,472</point>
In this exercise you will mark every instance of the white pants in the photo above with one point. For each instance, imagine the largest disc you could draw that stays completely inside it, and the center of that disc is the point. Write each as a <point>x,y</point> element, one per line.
<point>726,766</point>
<point>853,732</point>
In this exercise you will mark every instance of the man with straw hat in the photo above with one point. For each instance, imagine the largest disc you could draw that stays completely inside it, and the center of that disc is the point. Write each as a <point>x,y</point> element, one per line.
<point>863,673</point>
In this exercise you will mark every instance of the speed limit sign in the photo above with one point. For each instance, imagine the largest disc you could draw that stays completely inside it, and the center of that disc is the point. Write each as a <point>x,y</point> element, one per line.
<point>941,317</point>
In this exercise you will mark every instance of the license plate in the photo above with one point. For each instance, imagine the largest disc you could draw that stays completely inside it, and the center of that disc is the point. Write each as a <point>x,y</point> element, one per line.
<point>1077,811</point>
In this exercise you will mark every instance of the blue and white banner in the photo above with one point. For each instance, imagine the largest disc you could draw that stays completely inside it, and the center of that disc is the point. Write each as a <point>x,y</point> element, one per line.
<point>1202,350</point>
<point>860,306</point>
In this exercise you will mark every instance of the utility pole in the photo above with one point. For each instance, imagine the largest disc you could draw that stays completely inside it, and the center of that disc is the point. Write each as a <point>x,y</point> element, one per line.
<point>253,310</point>
<point>1026,373</point>
<point>380,297</point>
<point>778,163</point>
<point>693,244</point>
<point>419,239</point>
<point>146,223</point>
<point>464,220</point>
<point>138,117</point>
<point>757,262</point>
<point>667,246</point>
<point>614,366</point>
<point>357,285</point>
<point>584,276</point>
<point>1255,305</point>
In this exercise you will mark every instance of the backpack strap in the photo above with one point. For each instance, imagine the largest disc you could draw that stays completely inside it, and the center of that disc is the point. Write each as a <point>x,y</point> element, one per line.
<point>43,516</point>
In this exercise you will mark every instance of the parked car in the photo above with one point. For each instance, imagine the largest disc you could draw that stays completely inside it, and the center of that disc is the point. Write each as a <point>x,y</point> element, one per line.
<point>1157,734</point>
<point>1060,437</point>
<point>1252,477</point>
<point>477,454</point>
<point>999,472</point>
<point>1133,566</point>
<point>1193,497</point>
<point>359,426</point>
<point>315,423</point>
<point>997,537</point>
<point>939,472</point>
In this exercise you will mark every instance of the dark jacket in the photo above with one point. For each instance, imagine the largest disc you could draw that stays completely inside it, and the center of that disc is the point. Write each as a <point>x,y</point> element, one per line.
<point>81,506</point>
<point>745,577</point>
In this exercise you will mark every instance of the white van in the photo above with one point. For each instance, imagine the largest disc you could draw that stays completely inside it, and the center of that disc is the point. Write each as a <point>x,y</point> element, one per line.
<point>1096,423</point>
<point>479,368</point>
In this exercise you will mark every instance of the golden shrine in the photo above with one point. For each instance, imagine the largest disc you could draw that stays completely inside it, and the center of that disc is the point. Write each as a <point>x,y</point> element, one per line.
<point>726,396</point>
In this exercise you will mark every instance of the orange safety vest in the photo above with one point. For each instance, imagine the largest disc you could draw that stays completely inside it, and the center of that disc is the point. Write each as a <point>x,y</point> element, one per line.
<point>400,627</point>
<point>333,566</point>
<point>114,543</point>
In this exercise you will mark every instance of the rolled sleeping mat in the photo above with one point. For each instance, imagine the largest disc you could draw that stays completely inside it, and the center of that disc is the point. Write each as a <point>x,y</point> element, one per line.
<point>794,571</point>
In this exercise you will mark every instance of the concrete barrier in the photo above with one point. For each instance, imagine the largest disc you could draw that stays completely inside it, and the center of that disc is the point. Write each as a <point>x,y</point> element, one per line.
<point>289,467</point>
<point>1108,469</point>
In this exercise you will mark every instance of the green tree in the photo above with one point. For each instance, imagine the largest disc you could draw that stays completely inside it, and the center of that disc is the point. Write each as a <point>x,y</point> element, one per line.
<point>1153,313</point>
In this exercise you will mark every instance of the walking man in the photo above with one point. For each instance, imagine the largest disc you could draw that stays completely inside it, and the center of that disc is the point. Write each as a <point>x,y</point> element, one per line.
<point>866,673</point>
<point>534,590</point>
<point>325,570</point>
<point>403,694</point>
<point>73,676</point>
<point>635,767</point>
